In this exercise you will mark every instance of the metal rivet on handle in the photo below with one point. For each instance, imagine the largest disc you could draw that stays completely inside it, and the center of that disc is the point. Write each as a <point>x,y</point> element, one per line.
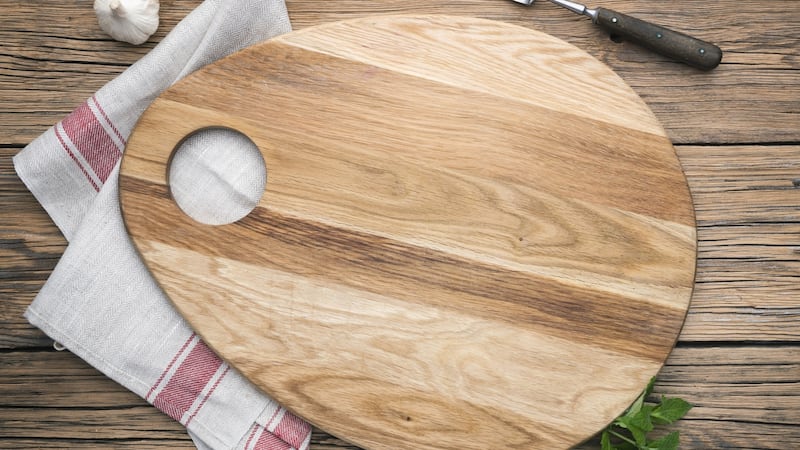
<point>702,51</point>
<point>614,19</point>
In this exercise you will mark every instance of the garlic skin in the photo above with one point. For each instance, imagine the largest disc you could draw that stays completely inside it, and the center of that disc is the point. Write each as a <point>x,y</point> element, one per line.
<point>131,21</point>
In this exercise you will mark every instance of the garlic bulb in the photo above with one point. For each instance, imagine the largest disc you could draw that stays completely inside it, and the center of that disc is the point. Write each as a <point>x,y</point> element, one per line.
<point>130,21</point>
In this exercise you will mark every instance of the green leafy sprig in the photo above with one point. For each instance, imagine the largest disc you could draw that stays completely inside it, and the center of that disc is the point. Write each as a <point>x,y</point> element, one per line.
<point>629,431</point>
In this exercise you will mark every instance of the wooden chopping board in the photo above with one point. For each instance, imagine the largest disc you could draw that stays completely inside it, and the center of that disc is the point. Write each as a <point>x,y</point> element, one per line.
<point>473,235</point>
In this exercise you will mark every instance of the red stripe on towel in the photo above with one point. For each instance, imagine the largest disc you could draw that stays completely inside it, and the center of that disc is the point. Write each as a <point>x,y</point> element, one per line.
<point>272,417</point>
<point>268,441</point>
<point>108,121</point>
<point>89,137</point>
<point>292,430</point>
<point>186,385</point>
<point>169,366</point>
<point>74,159</point>
<point>208,395</point>
<point>255,428</point>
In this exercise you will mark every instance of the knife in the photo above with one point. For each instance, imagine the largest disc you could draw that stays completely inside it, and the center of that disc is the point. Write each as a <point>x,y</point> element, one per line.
<point>681,47</point>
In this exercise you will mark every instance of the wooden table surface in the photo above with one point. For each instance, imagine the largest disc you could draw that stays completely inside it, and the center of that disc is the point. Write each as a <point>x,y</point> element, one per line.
<point>736,131</point>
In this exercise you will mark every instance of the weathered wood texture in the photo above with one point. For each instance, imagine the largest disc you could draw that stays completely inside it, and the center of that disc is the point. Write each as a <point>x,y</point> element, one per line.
<point>748,216</point>
<point>53,397</point>
<point>47,72</point>
<point>737,358</point>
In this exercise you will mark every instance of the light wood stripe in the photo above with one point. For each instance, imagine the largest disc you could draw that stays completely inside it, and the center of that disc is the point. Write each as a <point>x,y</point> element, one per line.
<point>395,46</point>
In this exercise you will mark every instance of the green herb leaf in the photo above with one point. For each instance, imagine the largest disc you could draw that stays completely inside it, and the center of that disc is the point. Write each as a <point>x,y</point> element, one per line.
<point>670,410</point>
<point>649,389</point>
<point>637,405</point>
<point>605,441</point>
<point>639,435</point>
<point>668,442</point>
<point>638,424</point>
<point>629,431</point>
<point>625,444</point>
<point>642,419</point>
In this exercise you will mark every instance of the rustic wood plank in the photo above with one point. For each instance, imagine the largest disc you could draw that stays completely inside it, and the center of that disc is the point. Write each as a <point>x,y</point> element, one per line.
<point>55,395</point>
<point>30,246</point>
<point>86,443</point>
<point>754,384</point>
<point>748,215</point>
<point>78,422</point>
<point>695,434</point>
<point>23,217</point>
<point>744,397</point>
<point>715,434</point>
<point>44,75</point>
<point>743,184</point>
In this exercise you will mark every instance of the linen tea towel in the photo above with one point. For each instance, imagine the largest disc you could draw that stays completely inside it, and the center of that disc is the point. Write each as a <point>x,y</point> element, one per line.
<point>100,301</point>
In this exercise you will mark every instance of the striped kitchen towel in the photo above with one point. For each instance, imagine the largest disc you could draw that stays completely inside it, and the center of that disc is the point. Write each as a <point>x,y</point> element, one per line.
<point>100,301</point>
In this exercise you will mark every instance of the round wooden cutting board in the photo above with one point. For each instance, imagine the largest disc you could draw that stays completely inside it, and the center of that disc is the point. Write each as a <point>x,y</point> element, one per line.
<point>473,235</point>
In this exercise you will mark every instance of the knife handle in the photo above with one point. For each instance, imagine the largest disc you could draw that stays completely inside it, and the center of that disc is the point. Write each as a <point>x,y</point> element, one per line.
<point>694,52</point>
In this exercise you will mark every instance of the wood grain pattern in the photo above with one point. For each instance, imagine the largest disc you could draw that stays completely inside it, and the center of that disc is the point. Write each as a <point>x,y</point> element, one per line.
<point>55,400</point>
<point>745,304</point>
<point>461,218</point>
<point>47,72</point>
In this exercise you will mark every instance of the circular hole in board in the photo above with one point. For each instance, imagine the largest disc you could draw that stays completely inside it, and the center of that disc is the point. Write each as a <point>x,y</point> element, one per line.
<point>217,175</point>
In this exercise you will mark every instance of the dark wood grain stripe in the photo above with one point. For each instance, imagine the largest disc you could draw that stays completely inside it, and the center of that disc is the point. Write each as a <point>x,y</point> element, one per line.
<point>384,266</point>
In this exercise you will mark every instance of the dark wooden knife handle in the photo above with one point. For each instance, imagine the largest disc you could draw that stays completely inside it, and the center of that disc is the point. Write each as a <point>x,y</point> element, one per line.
<point>694,52</point>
